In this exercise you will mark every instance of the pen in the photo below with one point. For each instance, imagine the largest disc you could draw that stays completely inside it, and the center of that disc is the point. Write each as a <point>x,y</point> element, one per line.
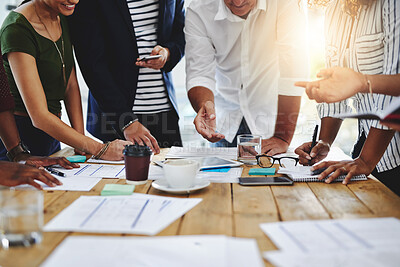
<point>314,141</point>
<point>53,171</point>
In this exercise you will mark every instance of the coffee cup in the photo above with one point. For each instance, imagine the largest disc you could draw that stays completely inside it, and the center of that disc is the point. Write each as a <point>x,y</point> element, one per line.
<point>181,173</point>
<point>137,162</point>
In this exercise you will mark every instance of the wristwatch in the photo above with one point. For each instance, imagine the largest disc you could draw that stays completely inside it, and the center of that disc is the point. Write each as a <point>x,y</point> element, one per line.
<point>21,148</point>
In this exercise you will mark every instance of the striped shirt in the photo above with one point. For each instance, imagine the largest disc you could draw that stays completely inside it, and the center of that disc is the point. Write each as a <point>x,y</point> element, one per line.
<point>370,45</point>
<point>151,95</point>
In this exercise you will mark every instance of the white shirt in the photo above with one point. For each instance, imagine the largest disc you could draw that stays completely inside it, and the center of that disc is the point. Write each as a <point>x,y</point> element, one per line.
<point>370,46</point>
<point>246,62</point>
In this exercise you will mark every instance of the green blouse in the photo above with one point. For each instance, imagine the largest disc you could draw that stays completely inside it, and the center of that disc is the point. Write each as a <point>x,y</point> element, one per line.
<point>18,35</point>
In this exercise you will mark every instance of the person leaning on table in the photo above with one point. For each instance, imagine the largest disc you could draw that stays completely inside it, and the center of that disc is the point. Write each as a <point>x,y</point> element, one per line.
<point>38,60</point>
<point>242,58</point>
<point>130,98</point>
<point>13,173</point>
<point>363,36</point>
<point>338,84</point>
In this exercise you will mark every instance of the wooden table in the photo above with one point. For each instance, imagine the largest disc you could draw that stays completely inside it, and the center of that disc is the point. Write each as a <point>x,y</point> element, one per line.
<point>233,210</point>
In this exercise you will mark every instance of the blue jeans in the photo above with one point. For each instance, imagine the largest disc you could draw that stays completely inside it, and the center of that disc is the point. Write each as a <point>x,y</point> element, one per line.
<point>38,142</point>
<point>243,129</point>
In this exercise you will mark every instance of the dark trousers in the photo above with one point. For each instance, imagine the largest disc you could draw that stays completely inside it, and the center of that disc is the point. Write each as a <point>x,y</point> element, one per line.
<point>243,129</point>
<point>390,178</point>
<point>38,142</point>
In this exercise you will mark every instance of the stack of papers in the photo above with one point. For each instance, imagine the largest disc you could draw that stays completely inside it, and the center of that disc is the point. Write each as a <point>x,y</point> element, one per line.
<point>177,251</point>
<point>230,176</point>
<point>135,214</point>
<point>358,242</point>
<point>188,152</point>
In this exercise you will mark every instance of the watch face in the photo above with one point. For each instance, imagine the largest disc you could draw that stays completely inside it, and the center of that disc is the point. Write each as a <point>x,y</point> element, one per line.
<point>24,147</point>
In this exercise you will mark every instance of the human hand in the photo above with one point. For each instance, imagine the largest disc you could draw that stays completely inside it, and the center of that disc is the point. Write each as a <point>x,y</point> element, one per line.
<point>273,146</point>
<point>137,133</point>
<point>205,123</point>
<point>37,162</point>
<point>155,63</point>
<point>392,125</point>
<point>115,150</point>
<point>336,84</point>
<point>349,168</point>
<point>79,152</point>
<point>13,174</point>
<point>318,153</point>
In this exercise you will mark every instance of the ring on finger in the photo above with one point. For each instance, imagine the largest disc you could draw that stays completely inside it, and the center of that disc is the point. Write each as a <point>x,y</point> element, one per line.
<point>344,169</point>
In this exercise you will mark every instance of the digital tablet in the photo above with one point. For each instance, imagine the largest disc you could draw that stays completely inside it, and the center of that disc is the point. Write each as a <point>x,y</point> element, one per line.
<point>207,163</point>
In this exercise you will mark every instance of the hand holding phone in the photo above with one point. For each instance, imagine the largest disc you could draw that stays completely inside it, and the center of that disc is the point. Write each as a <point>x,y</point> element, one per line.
<point>274,180</point>
<point>149,57</point>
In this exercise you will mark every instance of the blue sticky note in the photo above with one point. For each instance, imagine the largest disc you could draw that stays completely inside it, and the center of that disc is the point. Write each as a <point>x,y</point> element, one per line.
<point>217,170</point>
<point>262,171</point>
<point>77,158</point>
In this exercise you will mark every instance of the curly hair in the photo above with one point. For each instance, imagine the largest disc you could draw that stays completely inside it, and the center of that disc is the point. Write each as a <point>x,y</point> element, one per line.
<point>351,7</point>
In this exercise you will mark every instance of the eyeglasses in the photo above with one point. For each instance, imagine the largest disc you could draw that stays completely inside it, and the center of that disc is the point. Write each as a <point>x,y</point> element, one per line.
<point>265,161</point>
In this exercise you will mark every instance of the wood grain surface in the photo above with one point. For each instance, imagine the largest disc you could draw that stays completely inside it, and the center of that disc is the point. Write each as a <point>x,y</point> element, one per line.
<point>231,209</point>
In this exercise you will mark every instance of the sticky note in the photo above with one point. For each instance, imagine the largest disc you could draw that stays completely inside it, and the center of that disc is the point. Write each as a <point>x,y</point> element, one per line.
<point>117,189</point>
<point>217,170</point>
<point>77,158</point>
<point>262,171</point>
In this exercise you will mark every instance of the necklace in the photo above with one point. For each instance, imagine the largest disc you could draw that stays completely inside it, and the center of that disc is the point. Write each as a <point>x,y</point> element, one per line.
<point>58,50</point>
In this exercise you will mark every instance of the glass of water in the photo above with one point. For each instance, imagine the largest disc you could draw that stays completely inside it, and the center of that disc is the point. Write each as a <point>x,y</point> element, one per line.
<point>21,217</point>
<point>249,146</point>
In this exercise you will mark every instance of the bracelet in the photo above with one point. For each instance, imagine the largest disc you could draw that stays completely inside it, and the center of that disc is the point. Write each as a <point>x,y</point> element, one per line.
<point>129,124</point>
<point>281,139</point>
<point>370,90</point>
<point>102,151</point>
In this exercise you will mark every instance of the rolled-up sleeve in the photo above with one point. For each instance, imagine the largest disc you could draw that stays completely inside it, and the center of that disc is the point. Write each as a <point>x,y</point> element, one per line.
<point>200,53</point>
<point>292,44</point>
<point>391,61</point>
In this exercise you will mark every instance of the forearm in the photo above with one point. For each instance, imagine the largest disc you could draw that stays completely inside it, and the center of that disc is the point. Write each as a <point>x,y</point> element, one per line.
<point>199,95</point>
<point>8,130</point>
<point>286,120</point>
<point>53,126</point>
<point>73,105</point>
<point>329,129</point>
<point>383,84</point>
<point>375,146</point>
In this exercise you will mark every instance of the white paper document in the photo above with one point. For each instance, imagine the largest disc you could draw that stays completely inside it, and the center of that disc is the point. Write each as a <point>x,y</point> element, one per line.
<point>175,251</point>
<point>135,214</point>
<point>95,170</point>
<point>188,152</point>
<point>102,161</point>
<point>232,176</point>
<point>70,184</point>
<point>388,257</point>
<point>307,241</point>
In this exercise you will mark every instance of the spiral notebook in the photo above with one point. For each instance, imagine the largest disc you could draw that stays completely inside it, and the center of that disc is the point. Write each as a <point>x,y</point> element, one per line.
<point>303,174</point>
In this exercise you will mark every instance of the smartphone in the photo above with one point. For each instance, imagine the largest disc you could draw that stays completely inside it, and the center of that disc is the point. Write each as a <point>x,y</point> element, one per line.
<point>149,57</point>
<point>273,180</point>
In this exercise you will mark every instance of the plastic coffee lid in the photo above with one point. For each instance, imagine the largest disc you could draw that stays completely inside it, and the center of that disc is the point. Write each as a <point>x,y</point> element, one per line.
<point>137,151</point>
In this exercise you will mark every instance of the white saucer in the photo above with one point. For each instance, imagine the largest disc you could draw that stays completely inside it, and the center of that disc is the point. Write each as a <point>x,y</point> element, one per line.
<point>163,186</point>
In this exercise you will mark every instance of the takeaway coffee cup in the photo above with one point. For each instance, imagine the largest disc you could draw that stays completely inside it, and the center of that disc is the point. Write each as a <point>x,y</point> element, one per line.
<point>181,173</point>
<point>137,162</point>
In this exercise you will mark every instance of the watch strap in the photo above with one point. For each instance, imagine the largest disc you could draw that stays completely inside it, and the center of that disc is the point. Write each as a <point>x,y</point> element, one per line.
<point>17,150</point>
